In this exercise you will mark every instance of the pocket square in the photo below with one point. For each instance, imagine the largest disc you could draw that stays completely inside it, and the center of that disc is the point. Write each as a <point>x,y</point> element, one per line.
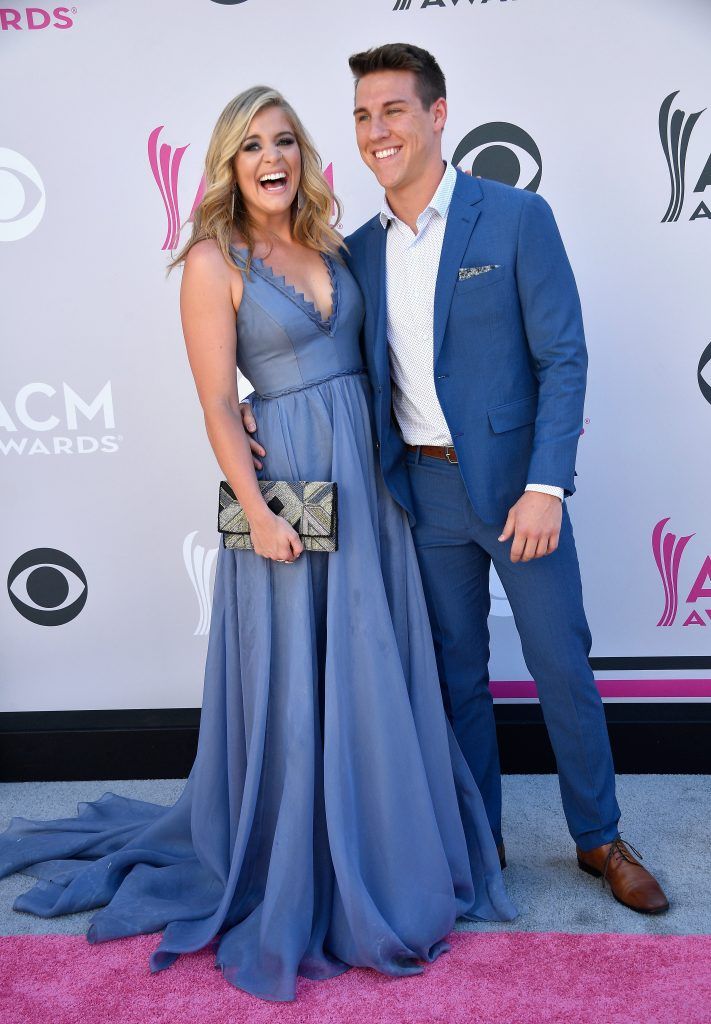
<point>466,272</point>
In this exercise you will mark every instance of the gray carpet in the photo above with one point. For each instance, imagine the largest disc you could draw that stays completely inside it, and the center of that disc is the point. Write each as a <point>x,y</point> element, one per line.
<point>665,816</point>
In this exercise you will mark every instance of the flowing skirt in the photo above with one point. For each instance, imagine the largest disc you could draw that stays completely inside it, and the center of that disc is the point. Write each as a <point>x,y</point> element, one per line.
<point>329,819</point>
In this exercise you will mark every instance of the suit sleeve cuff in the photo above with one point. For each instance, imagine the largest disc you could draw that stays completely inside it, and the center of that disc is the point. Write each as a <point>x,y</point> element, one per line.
<point>557,492</point>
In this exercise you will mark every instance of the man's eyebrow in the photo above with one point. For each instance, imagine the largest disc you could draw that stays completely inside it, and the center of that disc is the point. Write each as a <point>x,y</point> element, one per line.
<point>386,103</point>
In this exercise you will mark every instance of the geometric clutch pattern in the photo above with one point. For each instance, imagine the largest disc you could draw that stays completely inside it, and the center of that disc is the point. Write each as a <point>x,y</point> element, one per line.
<point>310,507</point>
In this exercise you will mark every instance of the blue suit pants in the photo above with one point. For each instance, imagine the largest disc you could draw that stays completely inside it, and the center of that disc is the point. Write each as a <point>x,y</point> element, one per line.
<point>455,550</point>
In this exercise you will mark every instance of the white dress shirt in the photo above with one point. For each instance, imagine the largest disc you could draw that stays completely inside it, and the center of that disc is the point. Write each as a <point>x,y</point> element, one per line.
<point>411,262</point>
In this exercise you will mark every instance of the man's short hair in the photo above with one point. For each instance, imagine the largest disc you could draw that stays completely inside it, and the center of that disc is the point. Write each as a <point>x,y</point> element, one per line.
<point>429,80</point>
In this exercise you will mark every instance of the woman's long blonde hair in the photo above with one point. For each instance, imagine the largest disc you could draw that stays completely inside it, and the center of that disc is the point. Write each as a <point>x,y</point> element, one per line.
<point>312,216</point>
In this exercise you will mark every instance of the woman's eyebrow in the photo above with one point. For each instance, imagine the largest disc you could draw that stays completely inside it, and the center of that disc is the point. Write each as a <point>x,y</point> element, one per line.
<point>277,135</point>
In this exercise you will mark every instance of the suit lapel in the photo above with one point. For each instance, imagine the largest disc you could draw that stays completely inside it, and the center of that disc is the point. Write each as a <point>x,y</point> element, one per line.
<point>463,215</point>
<point>377,281</point>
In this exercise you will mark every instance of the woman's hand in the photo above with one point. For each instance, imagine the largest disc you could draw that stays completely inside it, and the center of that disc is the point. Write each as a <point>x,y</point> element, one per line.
<point>250,425</point>
<point>273,537</point>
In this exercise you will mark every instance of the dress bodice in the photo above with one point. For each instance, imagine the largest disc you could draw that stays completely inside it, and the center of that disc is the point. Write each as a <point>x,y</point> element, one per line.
<point>283,343</point>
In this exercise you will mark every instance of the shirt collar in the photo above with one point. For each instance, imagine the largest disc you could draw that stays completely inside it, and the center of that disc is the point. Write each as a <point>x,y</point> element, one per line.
<point>439,203</point>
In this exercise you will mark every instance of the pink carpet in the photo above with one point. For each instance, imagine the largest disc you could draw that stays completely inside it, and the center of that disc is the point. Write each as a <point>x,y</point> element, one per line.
<point>515,978</point>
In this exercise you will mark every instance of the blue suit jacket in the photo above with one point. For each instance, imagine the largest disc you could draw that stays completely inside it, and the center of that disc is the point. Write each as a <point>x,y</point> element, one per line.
<point>510,360</point>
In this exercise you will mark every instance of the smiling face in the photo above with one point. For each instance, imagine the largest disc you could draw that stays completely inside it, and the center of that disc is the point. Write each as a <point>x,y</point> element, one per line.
<point>268,164</point>
<point>398,138</point>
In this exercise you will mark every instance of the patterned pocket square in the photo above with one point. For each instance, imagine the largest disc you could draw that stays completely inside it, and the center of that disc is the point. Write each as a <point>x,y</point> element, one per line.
<point>466,272</point>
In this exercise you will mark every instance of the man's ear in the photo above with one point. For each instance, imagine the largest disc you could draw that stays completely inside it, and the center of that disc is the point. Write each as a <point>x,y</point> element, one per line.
<point>439,113</point>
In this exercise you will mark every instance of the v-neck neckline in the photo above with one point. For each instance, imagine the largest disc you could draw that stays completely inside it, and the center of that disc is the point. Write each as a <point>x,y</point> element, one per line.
<point>308,306</point>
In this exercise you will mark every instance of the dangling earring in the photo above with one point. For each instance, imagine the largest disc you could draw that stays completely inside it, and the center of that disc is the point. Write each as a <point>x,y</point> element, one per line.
<point>234,193</point>
<point>300,200</point>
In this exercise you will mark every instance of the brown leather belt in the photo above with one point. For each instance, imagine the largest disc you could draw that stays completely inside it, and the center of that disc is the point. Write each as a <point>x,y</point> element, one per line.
<point>436,451</point>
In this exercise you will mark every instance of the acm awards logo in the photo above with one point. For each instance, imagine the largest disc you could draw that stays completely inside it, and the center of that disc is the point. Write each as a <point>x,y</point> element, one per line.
<point>675,129</point>
<point>34,18</point>
<point>47,586</point>
<point>198,563</point>
<point>39,419</point>
<point>502,152</point>
<point>405,5</point>
<point>165,162</point>
<point>668,549</point>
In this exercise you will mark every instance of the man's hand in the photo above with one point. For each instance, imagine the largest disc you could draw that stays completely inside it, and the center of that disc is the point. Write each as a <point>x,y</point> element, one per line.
<point>534,523</point>
<point>250,425</point>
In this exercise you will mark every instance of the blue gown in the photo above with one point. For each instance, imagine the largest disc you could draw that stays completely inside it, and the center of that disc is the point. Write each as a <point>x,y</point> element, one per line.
<point>329,819</point>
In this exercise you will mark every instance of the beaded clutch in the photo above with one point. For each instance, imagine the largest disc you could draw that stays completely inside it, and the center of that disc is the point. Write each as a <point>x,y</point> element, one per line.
<point>311,508</point>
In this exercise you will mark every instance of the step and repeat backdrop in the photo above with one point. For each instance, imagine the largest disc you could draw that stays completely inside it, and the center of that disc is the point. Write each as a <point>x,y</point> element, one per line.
<point>109,485</point>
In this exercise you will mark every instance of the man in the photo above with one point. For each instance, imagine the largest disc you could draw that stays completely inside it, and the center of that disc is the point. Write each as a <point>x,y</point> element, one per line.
<point>474,344</point>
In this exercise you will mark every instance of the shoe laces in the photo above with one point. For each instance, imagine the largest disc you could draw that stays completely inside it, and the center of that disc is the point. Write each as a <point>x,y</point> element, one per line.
<point>622,848</point>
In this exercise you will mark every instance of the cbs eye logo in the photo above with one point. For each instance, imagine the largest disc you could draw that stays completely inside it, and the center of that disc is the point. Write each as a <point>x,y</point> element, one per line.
<point>47,586</point>
<point>503,152</point>
<point>22,196</point>
<point>704,373</point>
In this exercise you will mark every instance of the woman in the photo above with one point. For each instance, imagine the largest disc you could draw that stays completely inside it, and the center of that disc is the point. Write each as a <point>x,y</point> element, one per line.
<point>329,819</point>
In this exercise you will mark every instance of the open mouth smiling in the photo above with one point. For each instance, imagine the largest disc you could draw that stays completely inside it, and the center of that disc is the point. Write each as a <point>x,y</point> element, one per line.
<point>274,182</point>
<point>386,154</point>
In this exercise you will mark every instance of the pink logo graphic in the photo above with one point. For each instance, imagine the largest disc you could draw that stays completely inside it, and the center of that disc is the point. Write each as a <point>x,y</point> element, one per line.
<point>165,164</point>
<point>668,549</point>
<point>35,18</point>
<point>328,175</point>
<point>667,554</point>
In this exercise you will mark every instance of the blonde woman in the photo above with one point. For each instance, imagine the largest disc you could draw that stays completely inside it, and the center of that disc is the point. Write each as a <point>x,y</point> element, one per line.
<point>329,819</point>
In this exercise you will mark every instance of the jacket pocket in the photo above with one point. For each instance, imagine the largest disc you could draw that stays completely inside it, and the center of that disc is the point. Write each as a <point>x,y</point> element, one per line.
<point>480,280</point>
<point>513,414</point>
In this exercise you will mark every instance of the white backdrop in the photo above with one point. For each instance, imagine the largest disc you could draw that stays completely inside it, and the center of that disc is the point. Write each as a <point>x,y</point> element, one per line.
<point>109,482</point>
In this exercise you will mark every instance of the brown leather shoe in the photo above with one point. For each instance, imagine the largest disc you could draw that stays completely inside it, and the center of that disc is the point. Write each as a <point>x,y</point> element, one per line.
<point>501,850</point>
<point>631,884</point>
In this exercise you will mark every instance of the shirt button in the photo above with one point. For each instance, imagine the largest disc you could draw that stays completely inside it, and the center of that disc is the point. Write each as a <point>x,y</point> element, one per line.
<point>377,444</point>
